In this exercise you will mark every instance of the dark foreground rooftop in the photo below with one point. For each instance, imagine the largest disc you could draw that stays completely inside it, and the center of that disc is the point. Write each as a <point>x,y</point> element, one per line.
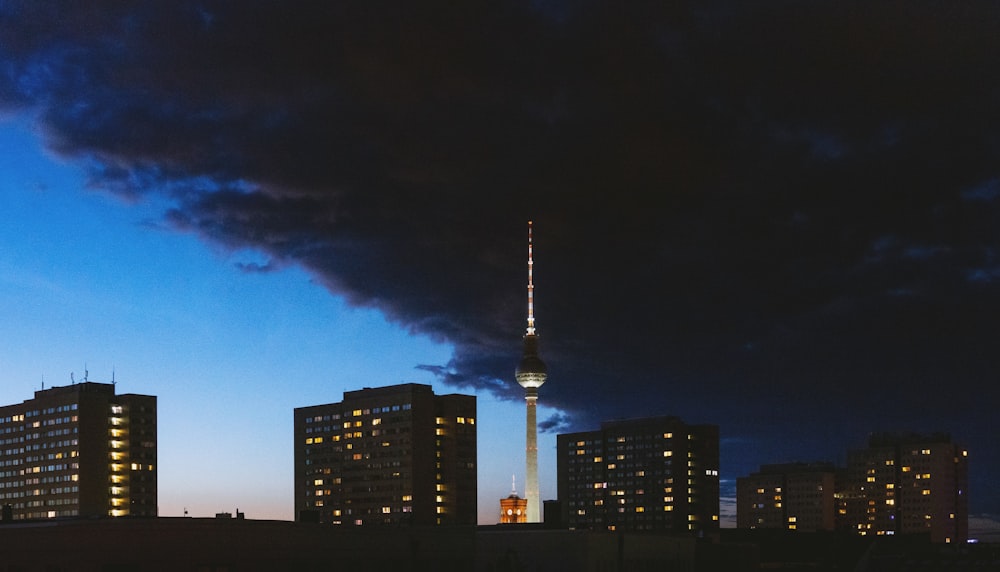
<point>236,545</point>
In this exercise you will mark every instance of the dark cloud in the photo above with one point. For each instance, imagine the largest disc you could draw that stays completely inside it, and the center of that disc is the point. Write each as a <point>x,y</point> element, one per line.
<point>780,217</point>
<point>555,423</point>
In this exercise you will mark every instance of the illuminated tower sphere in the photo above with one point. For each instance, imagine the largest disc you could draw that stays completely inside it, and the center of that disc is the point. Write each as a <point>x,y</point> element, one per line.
<point>531,374</point>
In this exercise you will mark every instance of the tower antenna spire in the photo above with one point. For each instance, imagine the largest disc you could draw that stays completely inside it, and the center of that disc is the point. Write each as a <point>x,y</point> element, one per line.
<point>531,286</point>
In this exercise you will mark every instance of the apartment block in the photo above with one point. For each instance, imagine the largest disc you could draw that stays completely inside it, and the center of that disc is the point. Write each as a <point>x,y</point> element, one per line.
<point>907,483</point>
<point>79,451</point>
<point>393,455</point>
<point>792,496</point>
<point>654,473</point>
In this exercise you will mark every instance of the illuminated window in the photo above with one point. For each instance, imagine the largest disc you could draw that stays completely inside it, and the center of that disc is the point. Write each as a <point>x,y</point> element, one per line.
<point>460,420</point>
<point>439,420</point>
<point>668,435</point>
<point>925,492</point>
<point>377,421</point>
<point>906,469</point>
<point>317,482</point>
<point>640,509</point>
<point>668,453</point>
<point>890,502</point>
<point>386,510</point>
<point>407,498</point>
<point>597,459</point>
<point>356,413</point>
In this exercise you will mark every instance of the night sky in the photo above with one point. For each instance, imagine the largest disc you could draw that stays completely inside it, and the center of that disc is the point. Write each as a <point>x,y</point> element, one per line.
<point>780,217</point>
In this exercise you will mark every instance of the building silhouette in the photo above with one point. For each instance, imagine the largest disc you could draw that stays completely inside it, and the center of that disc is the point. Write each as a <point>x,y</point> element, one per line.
<point>78,451</point>
<point>387,456</point>
<point>792,496</point>
<point>531,373</point>
<point>655,473</point>
<point>907,483</point>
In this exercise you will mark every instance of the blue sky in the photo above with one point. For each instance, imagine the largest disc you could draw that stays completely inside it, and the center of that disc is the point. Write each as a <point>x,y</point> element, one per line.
<point>93,285</point>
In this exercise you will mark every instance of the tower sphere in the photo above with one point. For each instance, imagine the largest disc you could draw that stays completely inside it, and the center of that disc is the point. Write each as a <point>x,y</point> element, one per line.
<point>531,371</point>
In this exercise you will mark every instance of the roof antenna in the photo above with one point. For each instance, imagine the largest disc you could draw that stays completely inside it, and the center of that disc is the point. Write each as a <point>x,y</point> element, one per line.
<point>72,379</point>
<point>86,374</point>
<point>513,485</point>
<point>112,375</point>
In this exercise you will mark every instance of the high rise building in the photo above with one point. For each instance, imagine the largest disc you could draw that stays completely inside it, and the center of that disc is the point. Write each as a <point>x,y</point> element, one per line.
<point>905,483</point>
<point>792,496</point>
<point>531,374</point>
<point>656,473</point>
<point>390,455</point>
<point>78,451</point>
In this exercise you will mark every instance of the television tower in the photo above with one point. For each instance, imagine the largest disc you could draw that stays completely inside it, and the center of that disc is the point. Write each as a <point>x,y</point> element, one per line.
<point>531,374</point>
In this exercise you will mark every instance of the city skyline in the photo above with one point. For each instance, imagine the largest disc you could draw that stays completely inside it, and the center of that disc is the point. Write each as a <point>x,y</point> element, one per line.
<point>778,220</point>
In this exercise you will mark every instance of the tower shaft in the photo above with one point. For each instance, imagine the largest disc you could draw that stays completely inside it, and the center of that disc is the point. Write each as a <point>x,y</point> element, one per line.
<point>531,453</point>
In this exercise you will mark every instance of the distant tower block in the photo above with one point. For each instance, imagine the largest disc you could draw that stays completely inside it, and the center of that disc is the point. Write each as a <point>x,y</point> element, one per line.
<point>531,374</point>
<point>513,509</point>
